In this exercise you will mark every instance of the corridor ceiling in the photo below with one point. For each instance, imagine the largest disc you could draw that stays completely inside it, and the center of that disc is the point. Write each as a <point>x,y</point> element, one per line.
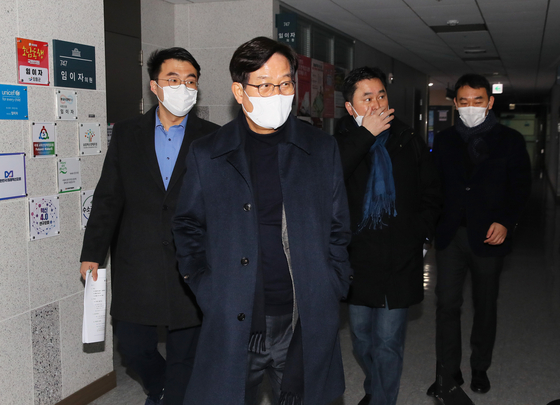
<point>513,42</point>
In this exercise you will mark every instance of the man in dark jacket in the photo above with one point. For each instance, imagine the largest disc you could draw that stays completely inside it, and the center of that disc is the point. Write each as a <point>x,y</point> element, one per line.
<point>485,172</point>
<point>133,205</point>
<point>261,229</point>
<point>394,197</point>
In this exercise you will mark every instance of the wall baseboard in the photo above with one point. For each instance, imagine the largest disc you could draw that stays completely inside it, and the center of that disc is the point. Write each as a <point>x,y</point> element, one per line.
<point>92,391</point>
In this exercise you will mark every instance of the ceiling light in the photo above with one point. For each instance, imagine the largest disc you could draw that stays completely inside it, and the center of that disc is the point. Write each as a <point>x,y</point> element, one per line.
<point>452,23</point>
<point>430,84</point>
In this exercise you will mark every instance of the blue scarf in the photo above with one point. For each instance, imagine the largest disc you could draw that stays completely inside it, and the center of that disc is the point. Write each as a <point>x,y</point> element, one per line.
<point>379,198</point>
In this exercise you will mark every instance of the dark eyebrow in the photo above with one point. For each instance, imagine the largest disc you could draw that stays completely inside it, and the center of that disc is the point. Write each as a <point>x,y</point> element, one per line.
<point>177,74</point>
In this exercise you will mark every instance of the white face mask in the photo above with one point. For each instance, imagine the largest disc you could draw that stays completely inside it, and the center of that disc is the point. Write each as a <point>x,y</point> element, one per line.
<point>178,101</point>
<point>358,118</point>
<point>472,116</point>
<point>270,112</point>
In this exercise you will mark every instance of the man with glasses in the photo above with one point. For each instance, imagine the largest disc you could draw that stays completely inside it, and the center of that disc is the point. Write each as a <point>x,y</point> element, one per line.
<point>261,240</point>
<point>133,205</point>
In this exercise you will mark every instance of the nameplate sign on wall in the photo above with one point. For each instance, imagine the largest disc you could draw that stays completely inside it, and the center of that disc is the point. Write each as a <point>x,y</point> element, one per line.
<point>44,139</point>
<point>69,176</point>
<point>12,176</point>
<point>87,198</point>
<point>13,102</point>
<point>74,65</point>
<point>44,219</point>
<point>66,104</point>
<point>90,138</point>
<point>32,61</point>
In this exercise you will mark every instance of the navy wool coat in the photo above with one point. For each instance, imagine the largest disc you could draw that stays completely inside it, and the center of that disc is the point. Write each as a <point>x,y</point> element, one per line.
<point>216,233</point>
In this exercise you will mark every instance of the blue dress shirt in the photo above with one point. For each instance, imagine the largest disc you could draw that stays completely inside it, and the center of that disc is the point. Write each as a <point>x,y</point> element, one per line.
<point>168,144</point>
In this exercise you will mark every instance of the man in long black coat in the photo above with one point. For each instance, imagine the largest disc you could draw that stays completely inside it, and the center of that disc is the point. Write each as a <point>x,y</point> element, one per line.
<point>383,155</point>
<point>133,206</point>
<point>486,177</point>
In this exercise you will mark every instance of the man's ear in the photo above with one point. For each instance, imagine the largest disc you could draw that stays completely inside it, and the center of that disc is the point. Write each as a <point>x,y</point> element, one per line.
<point>491,102</point>
<point>237,90</point>
<point>349,108</point>
<point>153,87</point>
<point>455,102</point>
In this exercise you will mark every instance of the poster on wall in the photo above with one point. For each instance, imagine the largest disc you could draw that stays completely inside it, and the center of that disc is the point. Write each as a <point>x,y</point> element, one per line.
<point>13,183</point>
<point>44,139</point>
<point>74,65</point>
<point>90,137</point>
<point>87,198</point>
<point>13,102</point>
<point>339,108</point>
<point>44,220</point>
<point>66,104</point>
<point>32,61</point>
<point>328,90</point>
<point>69,176</point>
<point>317,97</point>
<point>303,83</point>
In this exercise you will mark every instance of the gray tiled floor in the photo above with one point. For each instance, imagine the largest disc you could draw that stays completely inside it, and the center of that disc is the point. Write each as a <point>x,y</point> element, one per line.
<point>526,367</point>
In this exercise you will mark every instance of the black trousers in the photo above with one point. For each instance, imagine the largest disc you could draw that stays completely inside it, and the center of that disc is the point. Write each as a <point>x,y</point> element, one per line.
<point>137,345</point>
<point>453,263</point>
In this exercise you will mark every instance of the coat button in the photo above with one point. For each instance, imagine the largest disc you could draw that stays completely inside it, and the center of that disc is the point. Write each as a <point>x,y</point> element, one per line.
<point>241,317</point>
<point>468,188</point>
<point>244,261</point>
<point>247,207</point>
<point>165,242</point>
<point>351,277</point>
<point>165,207</point>
<point>186,277</point>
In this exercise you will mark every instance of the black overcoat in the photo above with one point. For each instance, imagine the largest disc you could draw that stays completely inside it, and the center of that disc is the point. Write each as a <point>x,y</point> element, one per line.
<point>496,191</point>
<point>388,262</point>
<point>216,231</point>
<point>132,213</point>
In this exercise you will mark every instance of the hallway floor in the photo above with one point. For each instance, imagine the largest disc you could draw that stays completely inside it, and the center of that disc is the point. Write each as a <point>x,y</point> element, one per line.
<point>526,362</point>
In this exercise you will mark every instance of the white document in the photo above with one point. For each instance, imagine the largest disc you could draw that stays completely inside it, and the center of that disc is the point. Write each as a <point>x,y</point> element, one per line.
<point>95,304</point>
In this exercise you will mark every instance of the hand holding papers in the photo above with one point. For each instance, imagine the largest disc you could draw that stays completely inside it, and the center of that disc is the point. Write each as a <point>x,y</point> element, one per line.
<point>95,299</point>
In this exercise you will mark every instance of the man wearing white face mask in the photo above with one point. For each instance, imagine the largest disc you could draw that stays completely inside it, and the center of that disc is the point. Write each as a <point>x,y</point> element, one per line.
<point>261,240</point>
<point>485,172</point>
<point>394,198</point>
<point>133,204</point>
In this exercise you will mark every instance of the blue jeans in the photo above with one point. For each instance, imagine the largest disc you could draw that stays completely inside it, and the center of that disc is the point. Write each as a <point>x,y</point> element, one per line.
<point>378,336</point>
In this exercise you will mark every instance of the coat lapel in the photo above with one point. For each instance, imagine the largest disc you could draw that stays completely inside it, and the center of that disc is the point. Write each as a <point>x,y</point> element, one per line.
<point>231,143</point>
<point>192,131</point>
<point>147,145</point>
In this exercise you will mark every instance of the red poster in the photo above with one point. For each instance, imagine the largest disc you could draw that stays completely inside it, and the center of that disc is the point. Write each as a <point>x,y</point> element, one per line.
<point>33,61</point>
<point>328,90</point>
<point>304,86</point>
<point>317,105</point>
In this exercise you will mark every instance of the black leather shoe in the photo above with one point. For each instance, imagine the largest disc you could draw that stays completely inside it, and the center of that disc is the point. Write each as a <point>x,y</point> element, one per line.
<point>480,382</point>
<point>365,400</point>
<point>432,391</point>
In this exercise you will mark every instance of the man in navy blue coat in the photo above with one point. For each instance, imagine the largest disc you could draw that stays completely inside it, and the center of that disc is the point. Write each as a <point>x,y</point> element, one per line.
<point>261,229</point>
<point>486,177</point>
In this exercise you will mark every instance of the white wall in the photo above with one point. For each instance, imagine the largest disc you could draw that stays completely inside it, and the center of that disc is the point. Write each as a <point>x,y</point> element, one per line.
<point>42,359</point>
<point>211,32</point>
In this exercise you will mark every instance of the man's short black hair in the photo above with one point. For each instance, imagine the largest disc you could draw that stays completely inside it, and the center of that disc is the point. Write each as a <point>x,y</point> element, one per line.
<point>475,81</point>
<point>161,55</point>
<point>253,54</point>
<point>359,74</point>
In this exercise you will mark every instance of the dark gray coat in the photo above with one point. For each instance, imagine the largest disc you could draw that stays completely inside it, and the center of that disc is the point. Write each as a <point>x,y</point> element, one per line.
<point>132,211</point>
<point>216,229</point>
